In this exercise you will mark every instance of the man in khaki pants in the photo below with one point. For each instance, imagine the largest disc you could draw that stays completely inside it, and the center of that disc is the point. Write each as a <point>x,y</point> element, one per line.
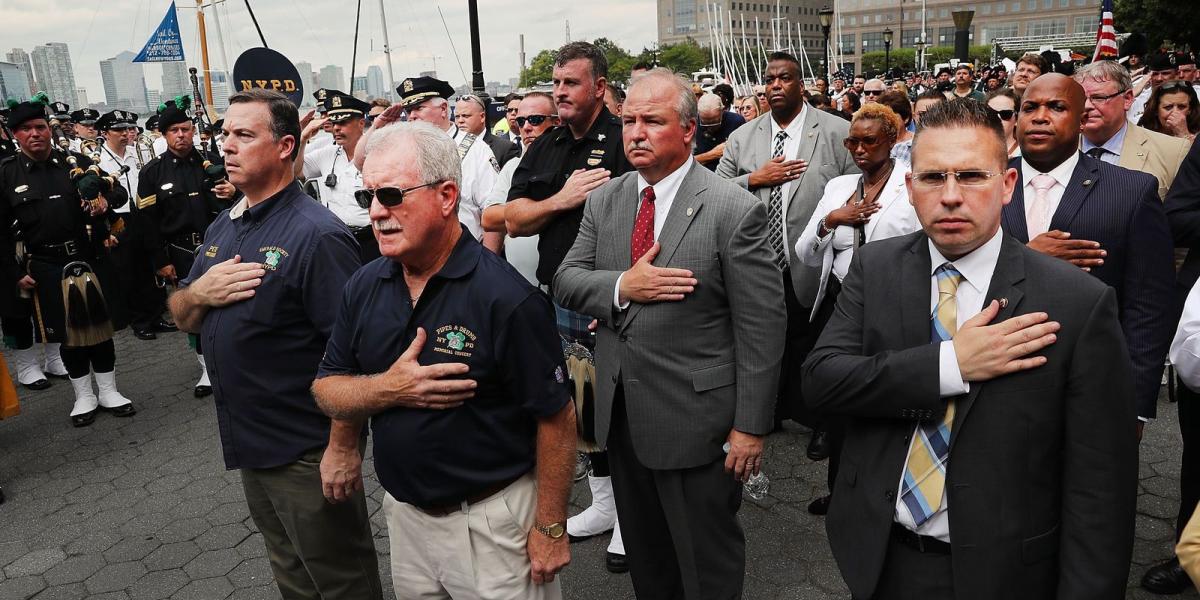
<point>455,358</point>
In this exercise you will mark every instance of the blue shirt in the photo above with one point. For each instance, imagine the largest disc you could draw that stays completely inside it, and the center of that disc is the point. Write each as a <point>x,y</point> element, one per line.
<point>1112,145</point>
<point>476,310</point>
<point>262,353</point>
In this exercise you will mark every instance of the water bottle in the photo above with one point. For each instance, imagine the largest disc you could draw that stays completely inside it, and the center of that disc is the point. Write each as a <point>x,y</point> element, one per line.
<point>757,486</point>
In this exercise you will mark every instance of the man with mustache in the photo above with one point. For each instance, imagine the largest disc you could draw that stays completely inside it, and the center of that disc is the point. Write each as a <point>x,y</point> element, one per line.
<point>1105,219</point>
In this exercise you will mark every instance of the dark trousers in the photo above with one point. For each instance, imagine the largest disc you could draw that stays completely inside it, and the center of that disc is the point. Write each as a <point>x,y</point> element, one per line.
<point>142,298</point>
<point>318,550</point>
<point>679,526</point>
<point>835,430</point>
<point>368,246</point>
<point>909,574</point>
<point>798,342</point>
<point>1189,471</point>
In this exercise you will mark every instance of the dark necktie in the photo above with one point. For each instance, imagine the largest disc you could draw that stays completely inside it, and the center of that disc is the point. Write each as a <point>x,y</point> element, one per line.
<point>643,226</point>
<point>1097,153</point>
<point>775,210</point>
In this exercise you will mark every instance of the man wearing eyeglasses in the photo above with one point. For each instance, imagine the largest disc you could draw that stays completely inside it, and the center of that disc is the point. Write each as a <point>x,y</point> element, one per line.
<point>1105,219</point>
<point>511,103</point>
<point>988,453</point>
<point>714,128</point>
<point>1109,136</point>
<point>872,89</point>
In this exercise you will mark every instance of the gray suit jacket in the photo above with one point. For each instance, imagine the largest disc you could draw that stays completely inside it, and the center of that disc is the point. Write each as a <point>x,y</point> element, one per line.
<point>691,370</point>
<point>749,148</point>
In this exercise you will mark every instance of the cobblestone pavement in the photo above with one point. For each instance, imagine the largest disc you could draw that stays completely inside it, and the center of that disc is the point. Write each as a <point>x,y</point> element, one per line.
<point>142,508</point>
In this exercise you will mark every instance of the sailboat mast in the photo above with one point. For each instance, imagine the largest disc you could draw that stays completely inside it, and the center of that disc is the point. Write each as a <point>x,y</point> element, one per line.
<point>204,53</point>
<point>387,51</point>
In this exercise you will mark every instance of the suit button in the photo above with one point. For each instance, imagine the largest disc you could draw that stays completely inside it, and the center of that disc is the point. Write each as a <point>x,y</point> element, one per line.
<point>623,338</point>
<point>890,495</point>
<point>614,378</point>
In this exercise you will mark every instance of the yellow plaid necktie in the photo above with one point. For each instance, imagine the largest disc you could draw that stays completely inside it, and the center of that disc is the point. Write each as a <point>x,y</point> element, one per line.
<point>929,453</point>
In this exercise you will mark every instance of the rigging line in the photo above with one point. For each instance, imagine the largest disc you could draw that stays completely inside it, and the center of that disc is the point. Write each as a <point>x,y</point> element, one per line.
<point>354,54</point>
<point>452,48</point>
<point>255,20</point>
<point>420,31</point>
<point>86,37</point>
<point>317,38</point>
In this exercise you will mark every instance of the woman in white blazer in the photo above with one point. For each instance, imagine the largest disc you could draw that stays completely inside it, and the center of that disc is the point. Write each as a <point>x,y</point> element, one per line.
<point>842,220</point>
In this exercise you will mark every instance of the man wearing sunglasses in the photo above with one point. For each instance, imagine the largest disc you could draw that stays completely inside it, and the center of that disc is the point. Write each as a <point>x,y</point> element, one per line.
<point>454,358</point>
<point>1105,219</point>
<point>872,89</point>
<point>1109,136</point>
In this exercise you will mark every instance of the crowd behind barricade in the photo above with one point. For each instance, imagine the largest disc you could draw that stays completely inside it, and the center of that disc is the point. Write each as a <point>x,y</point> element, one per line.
<point>965,283</point>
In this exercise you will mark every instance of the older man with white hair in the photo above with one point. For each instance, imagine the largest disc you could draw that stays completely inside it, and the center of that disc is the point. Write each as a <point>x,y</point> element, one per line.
<point>716,124</point>
<point>455,358</point>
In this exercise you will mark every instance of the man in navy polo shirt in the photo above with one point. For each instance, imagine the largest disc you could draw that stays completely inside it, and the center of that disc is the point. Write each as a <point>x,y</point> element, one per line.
<point>456,359</point>
<point>262,294</point>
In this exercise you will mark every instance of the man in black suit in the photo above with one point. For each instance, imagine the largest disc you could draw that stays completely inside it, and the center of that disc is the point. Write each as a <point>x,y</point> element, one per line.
<point>1183,214</point>
<point>996,462</point>
<point>1101,217</point>
<point>470,115</point>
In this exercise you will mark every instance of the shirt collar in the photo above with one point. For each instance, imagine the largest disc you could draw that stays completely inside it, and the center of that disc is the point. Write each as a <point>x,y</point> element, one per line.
<point>793,129</point>
<point>462,260</point>
<point>977,266</point>
<point>594,132</point>
<point>1113,144</point>
<point>668,186</point>
<point>1061,173</point>
<point>259,212</point>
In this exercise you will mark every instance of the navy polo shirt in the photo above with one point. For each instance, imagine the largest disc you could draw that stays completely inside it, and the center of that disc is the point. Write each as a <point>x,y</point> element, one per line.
<point>262,353</point>
<point>476,310</point>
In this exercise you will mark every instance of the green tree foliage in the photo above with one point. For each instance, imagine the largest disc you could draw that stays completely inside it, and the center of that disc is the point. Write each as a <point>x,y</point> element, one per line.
<point>1164,22</point>
<point>905,58</point>
<point>683,58</point>
<point>540,69</point>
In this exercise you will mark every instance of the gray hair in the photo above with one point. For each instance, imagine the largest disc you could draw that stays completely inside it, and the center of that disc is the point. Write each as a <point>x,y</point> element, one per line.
<point>433,152</point>
<point>1105,70</point>
<point>686,101</point>
<point>710,102</point>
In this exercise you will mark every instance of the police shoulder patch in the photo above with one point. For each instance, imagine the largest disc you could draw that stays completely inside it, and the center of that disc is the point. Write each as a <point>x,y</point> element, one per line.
<point>147,201</point>
<point>495,163</point>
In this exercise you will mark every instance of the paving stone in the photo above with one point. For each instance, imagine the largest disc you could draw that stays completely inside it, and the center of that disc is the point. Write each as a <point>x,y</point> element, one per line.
<point>158,584</point>
<point>204,589</point>
<point>35,563</point>
<point>75,569</point>
<point>182,530</point>
<point>252,573</point>
<point>71,591</point>
<point>223,537</point>
<point>171,556</point>
<point>20,588</point>
<point>212,563</point>
<point>115,577</point>
<point>132,548</point>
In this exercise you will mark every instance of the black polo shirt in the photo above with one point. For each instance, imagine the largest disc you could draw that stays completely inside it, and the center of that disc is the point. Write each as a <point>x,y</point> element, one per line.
<point>476,310</point>
<point>544,170</point>
<point>262,353</point>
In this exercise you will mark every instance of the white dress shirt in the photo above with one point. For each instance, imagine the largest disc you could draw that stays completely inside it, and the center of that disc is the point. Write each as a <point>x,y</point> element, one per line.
<point>479,170</point>
<point>112,164</point>
<point>1112,145</point>
<point>319,164</point>
<point>521,252</point>
<point>1062,177</point>
<point>977,269</point>
<point>1139,104</point>
<point>664,197</point>
<point>1185,348</point>
<point>791,147</point>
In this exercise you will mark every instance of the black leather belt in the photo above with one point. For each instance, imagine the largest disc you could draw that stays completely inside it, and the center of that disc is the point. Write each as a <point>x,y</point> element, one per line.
<point>194,239</point>
<point>480,496</point>
<point>921,543</point>
<point>66,249</point>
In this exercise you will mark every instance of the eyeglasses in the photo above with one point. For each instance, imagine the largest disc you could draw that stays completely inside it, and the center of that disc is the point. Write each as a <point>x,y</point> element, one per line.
<point>511,111</point>
<point>1099,99</point>
<point>852,143</point>
<point>965,178</point>
<point>1003,114</point>
<point>760,94</point>
<point>534,120</point>
<point>872,92</point>
<point>388,196</point>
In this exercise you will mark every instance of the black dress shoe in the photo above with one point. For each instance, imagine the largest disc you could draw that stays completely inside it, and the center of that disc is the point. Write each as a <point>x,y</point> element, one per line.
<point>1,495</point>
<point>165,326</point>
<point>40,384</point>
<point>144,334</point>
<point>1166,578</point>
<point>820,506</point>
<point>202,391</point>
<point>616,563</point>
<point>84,419</point>
<point>818,446</point>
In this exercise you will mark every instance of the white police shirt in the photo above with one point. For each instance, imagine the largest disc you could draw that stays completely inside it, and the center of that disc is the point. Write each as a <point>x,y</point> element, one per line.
<point>112,164</point>
<point>479,171</point>
<point>318,164</point>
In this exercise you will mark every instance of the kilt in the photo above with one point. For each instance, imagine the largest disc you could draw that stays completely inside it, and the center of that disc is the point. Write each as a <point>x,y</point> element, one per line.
<point>48,273</point>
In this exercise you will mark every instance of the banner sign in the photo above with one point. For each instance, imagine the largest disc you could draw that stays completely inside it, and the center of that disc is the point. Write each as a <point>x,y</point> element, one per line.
<point>164,44</point>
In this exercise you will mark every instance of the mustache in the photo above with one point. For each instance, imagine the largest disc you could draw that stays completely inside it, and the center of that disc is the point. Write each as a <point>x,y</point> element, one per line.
<point>636,145</point>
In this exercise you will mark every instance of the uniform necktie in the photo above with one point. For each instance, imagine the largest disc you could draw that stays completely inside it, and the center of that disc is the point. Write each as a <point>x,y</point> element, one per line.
<point>1097,153</point>
<point>1037,216</point>
<point>775,210</point>
<point>929,453</point>
<point>643,226</point>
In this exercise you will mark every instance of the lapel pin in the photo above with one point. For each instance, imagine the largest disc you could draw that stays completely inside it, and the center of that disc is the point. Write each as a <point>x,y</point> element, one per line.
<point>600,137</point>
<point>810,134</point>
<point>1141,154</point>
<point>1087,182</point>
<point>1004,303</point>
<point>690,210</point>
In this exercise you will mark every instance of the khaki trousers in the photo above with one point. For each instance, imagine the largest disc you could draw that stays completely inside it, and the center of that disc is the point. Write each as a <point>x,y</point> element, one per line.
<point>318,550</point>
<point>477,553</point>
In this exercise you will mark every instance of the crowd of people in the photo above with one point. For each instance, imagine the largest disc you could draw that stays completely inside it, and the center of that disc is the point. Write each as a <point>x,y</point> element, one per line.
<point>965,284</point>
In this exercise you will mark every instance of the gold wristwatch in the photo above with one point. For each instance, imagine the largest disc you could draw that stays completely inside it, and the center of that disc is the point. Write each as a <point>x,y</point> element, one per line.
<point>552,530</point>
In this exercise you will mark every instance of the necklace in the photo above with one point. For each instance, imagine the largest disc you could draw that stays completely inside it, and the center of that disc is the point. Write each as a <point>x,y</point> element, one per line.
<point>872,189</point>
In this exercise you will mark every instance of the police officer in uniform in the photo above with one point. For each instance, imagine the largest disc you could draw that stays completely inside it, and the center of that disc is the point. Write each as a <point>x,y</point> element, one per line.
<point>60,204</point>
<point>85,129</point>
<point>61,112</point>
<point>181,193</point>
<point>142,298</point>
<point>331,169</point>
<point>325,136</point>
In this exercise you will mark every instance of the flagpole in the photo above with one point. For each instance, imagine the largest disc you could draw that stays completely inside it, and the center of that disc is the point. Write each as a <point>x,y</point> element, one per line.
<point>204,53</point>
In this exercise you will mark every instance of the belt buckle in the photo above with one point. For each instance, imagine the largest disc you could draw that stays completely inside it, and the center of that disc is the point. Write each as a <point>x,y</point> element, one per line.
<point>70,248</point>
<point>196,239</point>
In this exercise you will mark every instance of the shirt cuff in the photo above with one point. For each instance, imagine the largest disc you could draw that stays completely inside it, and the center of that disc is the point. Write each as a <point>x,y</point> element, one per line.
<point>950,381</point>
<point>617,295</point>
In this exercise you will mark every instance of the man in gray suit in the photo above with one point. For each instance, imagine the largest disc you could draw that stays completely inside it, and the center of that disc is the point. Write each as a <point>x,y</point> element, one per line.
<point>675,264</point>
<point>786,157</point>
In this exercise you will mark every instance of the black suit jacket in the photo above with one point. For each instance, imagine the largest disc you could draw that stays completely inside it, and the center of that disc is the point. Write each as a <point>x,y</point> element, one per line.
<point>1042,474</point>
<point>1183,212</point>
<point>501,147</point>
<point>1120,209</point>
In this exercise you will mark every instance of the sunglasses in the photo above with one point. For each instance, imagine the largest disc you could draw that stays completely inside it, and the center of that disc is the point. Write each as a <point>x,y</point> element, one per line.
<point>534,120</point>
<point>388,197</point>
<point>1003,114</point>
<point>852,143</point>
<point>872,92</point>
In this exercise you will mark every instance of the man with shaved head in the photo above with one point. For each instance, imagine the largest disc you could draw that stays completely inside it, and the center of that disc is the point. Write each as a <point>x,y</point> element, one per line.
<point>1105,219</point>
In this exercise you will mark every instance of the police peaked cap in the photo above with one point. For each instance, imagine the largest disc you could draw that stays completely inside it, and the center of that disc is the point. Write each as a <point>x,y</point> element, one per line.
<point>85,116</point>
<point>416,90</point>
<point>341,107</point>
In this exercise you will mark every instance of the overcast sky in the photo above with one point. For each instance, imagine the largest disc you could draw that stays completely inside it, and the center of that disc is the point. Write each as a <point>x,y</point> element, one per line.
<point>322,33</point>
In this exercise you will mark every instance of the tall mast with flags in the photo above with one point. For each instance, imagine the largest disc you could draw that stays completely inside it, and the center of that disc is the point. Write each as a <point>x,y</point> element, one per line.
<point>1106,34</point>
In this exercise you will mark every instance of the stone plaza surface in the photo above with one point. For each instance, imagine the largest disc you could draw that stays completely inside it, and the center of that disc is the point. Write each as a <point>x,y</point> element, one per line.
<point>142,508</point>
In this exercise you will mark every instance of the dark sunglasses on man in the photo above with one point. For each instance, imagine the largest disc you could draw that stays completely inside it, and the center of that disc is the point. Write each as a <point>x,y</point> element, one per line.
<point>872,92</point>
<point>534,120</point>
<point>389,197</point>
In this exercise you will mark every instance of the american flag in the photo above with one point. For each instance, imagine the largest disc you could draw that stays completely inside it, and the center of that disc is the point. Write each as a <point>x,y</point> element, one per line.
<point>1106,35</point>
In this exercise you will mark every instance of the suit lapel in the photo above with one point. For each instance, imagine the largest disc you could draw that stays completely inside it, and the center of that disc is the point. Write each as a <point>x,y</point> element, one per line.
<point>1014,214</point>
<point>1010,271</point>
<point>1083,181</point>
<point>810,135</point>
<point>893,193</point>
<point>1134,152</point>
<point>914,297</point>
<point>628,202</point>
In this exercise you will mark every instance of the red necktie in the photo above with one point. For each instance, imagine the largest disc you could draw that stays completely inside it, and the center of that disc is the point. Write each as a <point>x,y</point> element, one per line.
<point>643,227</point>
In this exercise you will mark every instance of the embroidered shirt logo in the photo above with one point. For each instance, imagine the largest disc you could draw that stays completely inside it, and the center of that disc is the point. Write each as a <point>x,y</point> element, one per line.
<point>211,251</point>
<point>454,340</point>
<point>272,255</point>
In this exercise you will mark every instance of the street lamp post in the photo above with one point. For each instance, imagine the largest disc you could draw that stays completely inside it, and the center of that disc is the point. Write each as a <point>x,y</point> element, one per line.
<point>826,17</point>
<point>887,51</point>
